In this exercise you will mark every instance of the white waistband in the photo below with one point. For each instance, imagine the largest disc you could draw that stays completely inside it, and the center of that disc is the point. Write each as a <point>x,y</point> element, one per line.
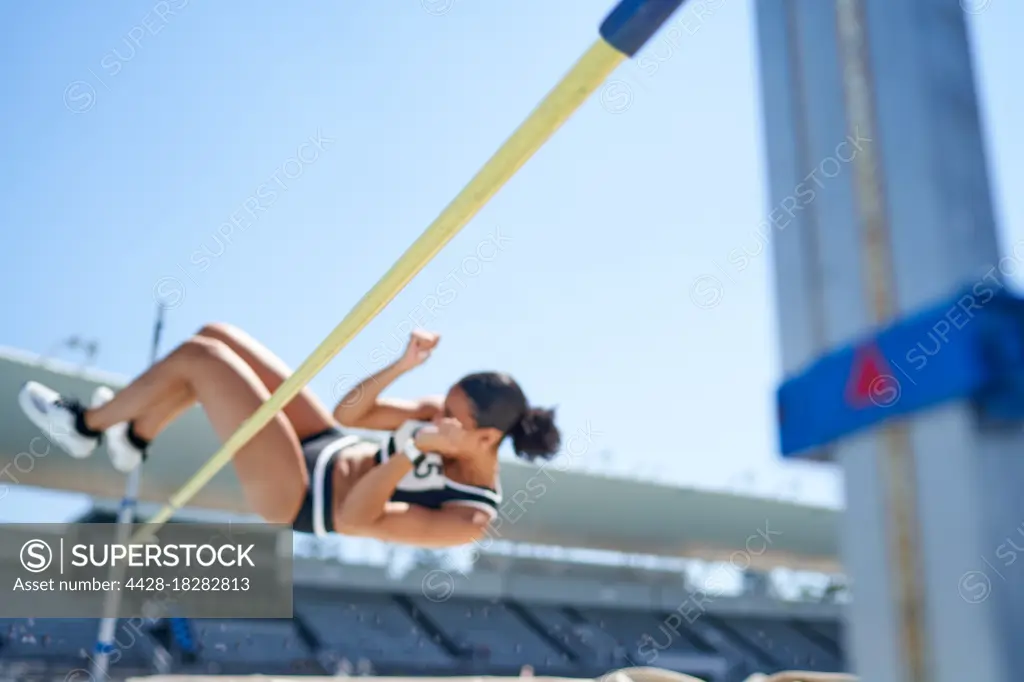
<point>316,481</point>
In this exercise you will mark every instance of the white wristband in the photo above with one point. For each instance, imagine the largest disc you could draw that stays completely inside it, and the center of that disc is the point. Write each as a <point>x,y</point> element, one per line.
<point>405,440</point>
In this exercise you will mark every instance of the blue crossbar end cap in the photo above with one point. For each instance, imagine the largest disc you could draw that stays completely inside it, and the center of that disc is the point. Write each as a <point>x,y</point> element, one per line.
<point>632,23</point>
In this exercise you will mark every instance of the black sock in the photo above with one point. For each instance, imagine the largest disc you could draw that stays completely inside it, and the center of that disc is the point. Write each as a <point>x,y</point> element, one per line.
<point>135,439</point>
<point>81,426</point>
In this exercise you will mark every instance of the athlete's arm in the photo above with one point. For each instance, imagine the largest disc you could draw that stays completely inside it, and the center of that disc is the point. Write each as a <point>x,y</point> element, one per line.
<point>429,528</point>
<point>367,511</point>
<point>363,408</point>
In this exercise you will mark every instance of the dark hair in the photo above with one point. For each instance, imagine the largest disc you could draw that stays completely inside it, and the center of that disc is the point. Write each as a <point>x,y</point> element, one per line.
<point>499,403</point>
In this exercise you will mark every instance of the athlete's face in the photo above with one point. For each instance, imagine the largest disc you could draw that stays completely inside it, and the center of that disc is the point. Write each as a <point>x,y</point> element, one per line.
<point>458,406</point>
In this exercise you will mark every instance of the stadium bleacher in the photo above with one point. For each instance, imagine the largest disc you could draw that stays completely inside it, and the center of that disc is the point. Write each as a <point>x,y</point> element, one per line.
<point>585,640</point>
<point>490,632</point>
<point>632,629</point>
<point>242,645</point>
<point>373,626</point>
<point>380,633</point>
<point>778,644</point>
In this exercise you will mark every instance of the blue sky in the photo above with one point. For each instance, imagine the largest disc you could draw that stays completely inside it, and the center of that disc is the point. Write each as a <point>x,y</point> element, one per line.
<point>135,143</point>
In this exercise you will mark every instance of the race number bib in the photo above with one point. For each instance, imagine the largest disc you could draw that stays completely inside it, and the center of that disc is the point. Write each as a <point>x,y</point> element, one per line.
<point>428,475</point>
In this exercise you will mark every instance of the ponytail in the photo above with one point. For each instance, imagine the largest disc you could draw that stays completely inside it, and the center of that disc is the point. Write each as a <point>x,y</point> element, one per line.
<point>535,435</point>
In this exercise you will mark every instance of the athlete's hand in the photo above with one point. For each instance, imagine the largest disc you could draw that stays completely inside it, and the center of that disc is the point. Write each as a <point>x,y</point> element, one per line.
<point>443,436</point>
<point>421,344</point>
<point>451,433</point>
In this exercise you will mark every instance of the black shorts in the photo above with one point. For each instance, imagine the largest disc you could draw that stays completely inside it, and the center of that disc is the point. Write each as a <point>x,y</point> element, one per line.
<point>320,450</point>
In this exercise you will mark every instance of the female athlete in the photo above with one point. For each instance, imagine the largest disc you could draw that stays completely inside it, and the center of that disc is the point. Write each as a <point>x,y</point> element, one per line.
<point>433,483</point>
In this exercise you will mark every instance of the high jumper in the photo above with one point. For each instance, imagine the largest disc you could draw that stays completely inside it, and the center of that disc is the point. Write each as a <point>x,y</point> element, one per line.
<point>432,483</point>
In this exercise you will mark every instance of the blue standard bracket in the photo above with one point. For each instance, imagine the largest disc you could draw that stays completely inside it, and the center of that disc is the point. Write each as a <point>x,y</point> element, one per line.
<point>968,347</point>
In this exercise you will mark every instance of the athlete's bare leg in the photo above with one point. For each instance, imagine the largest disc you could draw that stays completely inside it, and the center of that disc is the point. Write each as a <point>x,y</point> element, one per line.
<point>270,467</point>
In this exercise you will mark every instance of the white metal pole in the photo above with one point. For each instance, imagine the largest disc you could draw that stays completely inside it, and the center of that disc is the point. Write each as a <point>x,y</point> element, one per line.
<point>105,640</point>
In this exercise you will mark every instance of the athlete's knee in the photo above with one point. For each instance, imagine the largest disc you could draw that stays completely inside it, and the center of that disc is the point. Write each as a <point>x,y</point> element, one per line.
<point>219,330</point>
<point>204,349</point>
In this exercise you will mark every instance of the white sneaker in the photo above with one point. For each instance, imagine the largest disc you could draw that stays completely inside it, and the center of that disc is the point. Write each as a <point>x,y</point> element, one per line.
<point>101,396</point>
<point>124,455</point>
<point>58,417</point>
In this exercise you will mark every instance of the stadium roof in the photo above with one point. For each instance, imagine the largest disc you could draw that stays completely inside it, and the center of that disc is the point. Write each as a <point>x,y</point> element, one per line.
<point>551,506</point>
